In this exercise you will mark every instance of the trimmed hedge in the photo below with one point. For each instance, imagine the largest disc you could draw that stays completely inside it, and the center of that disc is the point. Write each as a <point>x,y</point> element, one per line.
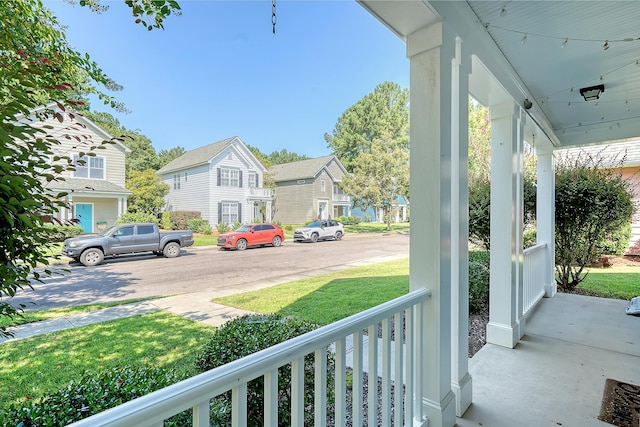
<point>93,394</point>
<point>249,334</point>
<point>199,226</point>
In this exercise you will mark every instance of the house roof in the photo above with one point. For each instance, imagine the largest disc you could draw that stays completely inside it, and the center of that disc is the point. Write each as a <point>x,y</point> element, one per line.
<point>93,186</point>
<point>71,115</point>
<point>303,169</point>
<point>611,154</point>
<point>199,156</point>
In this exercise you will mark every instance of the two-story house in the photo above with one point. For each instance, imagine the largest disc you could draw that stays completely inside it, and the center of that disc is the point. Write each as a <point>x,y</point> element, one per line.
<point>309,189</point>
<point>96,193</point>
<point>223,181</point>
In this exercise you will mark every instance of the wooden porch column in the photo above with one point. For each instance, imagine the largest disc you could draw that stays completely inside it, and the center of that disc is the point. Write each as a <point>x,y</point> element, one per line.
<point>545,215</point>
<point>505,305</point>
<point>460,378</point>
<point>431,51</point>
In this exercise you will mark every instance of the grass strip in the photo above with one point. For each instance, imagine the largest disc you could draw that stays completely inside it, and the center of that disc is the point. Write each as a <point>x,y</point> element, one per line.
<point>36,366</point>
<point>31,316</point>
<point>330,297</point>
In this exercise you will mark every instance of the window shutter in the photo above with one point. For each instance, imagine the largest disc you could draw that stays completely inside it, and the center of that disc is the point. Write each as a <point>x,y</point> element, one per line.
<point>240,212</point>
<point>219,208</point>
<point>240,179</point>
<point>218,177</point>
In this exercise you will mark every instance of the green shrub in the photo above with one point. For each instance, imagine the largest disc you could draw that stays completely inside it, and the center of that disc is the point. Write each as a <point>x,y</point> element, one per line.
<point>349,220</point>
<point>137,217</point>
<point>288,227</point>
<point>199,226</point>
<point>166,220</point>
<point>257,220</point>
<point>251,333</point>
<point>222,227</point>
<point>61,232</point>
<point>179,219</point>
<point>478,287</point>
<point>92,394</point>
<point>616,242</point>
<point>530,238</point>
<point>483,257</point>
<point>236,225</point>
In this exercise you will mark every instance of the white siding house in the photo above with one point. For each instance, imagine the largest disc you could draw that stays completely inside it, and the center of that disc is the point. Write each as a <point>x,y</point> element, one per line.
<point>96,189</point>
<point>223,181</point>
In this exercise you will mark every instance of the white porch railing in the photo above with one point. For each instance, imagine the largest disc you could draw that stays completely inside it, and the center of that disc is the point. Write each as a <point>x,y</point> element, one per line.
<point>260,192</point>
<point>337,197</point>
<point>534,271</point>
<point>384,357</point>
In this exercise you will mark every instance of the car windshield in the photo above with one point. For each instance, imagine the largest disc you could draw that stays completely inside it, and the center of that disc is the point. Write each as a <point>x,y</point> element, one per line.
<point>243,228</point>
<point>108,231</point>
<point>315,224</point>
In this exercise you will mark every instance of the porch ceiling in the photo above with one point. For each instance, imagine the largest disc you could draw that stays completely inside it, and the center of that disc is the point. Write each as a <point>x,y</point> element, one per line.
<point>539,68</point>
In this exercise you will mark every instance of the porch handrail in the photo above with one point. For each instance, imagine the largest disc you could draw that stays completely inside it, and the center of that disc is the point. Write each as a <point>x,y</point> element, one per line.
<point>196,392</point>
<point>534,268</point>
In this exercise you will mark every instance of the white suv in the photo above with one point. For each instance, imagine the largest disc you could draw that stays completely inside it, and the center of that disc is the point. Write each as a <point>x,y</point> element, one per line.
<point>319,230</point>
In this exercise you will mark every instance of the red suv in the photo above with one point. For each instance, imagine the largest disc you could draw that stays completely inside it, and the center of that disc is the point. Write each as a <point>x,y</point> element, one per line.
<point>251,235</point>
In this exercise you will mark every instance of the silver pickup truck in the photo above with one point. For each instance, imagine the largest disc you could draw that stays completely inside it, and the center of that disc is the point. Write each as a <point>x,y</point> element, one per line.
<point>119,239</point>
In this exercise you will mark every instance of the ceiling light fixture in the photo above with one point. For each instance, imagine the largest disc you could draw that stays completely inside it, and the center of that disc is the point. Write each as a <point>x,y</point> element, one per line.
<point>592,92</point>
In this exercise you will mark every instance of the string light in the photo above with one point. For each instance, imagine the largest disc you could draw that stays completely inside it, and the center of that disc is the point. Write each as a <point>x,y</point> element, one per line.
<point>503,11</point>
<point>606,43</point>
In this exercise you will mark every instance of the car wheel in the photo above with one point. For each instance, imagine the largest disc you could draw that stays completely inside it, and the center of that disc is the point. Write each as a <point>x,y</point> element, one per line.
<point>314,237</point>
<point>241,245</point>
<point>277,241</point>
<point>91,257</point>
<point>339,235</point>
<point>171,250</point>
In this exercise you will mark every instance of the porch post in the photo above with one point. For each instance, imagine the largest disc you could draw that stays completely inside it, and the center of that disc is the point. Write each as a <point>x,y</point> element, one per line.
<point>460,379</point>
<point>506,225</point>
<point>545,215</point>
<point>431,51</point>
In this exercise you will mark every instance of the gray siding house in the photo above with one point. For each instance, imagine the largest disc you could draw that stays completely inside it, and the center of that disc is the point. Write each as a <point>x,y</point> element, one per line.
<point>309,189</point>
<point>96,189</point>
<point>223,181</point>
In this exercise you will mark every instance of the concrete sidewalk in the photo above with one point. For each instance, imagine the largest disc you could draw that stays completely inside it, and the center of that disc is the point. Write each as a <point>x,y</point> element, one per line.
<point>195,306</point>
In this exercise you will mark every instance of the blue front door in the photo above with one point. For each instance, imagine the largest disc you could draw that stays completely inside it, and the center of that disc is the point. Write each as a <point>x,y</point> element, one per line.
<point>84,214</point>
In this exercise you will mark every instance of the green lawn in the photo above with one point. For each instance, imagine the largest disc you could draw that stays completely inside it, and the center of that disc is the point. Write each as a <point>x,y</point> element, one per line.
<point>325,299</point>
<point>621,282</point>
<point>39,365</point>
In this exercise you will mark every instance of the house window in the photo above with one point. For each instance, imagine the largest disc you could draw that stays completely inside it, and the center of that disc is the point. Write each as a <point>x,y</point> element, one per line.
<point>323,185</point>
<point>253,180</point>
<point>88,167</point>
<point>176,182</point>
<point>230,212</point>
<point>230,177</point>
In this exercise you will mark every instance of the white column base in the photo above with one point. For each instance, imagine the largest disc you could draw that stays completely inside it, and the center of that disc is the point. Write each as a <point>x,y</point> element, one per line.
<point>441,414</point>
<point>550,290</point>
<point>463,391</point>
<point>503,335</point>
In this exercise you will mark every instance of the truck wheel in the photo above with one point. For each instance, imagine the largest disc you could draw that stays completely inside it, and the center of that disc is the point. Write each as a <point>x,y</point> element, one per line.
<point>241,245</point>
<point>171,250</point>
<point>314,237</point>
<point>91,257</point>
<point>277,241</point>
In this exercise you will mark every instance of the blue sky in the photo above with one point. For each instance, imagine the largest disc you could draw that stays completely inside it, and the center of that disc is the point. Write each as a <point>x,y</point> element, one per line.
<point>218,70</point>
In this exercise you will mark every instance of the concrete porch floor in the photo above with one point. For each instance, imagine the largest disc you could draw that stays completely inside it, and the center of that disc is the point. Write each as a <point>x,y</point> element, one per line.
<point>556,374</point>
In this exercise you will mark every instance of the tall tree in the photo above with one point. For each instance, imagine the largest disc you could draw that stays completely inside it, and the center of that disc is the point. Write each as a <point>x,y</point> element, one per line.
<point>380,175</point>
<point>284,156</point>
<point>142,155</point>
<point>37,66</point>
<point>148,191</point>
<point>383,115</point>
<point>165,156</point>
